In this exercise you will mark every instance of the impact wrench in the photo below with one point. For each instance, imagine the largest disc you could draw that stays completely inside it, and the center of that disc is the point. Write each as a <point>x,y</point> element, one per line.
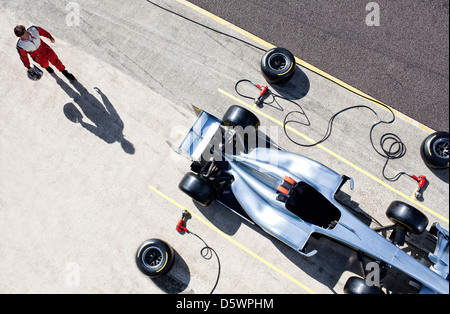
<point>263,90</point>
<point>182,223</point>
<point>422,180</point>
<point>206,252</point>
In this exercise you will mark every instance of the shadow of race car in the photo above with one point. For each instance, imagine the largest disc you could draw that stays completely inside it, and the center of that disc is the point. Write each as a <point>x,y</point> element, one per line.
<point>292,197</point>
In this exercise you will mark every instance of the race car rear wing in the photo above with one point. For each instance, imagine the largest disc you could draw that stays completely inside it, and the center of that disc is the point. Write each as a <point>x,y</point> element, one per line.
<point>199,136</point>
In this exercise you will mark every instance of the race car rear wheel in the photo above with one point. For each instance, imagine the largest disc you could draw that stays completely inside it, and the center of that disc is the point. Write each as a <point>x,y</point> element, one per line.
<point>356,285</point>
<point>407,217</point>
<point>435,150</point>
<point>238,116</point>
<point>278,65</point>
<point>155,258</point>
<point>198,189</point>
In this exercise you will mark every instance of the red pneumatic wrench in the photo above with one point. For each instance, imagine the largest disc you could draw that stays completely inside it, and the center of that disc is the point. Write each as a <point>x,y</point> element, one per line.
<point>422,180</point>
<point>182,222</point>
<point>207,251</point>
<point>263,90</point>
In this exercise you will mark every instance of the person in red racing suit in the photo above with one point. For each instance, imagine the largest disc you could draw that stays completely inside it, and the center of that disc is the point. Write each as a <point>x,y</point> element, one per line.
<point>30,43</point>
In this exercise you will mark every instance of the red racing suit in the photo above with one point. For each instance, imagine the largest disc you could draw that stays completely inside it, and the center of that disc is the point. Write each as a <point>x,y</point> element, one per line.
<point>38,49</point>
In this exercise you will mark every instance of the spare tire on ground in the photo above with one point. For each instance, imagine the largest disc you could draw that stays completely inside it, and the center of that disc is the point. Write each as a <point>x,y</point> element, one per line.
<point>155,258</point>
<point>278,65</point>
<point>434,150</point>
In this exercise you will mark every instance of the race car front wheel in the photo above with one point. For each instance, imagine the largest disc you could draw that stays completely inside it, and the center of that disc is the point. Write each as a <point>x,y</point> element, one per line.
<point>198,189</point>
<point>356,285</point>
<point>155,258</point>
<point>407,217</point>
<point>434,150</point>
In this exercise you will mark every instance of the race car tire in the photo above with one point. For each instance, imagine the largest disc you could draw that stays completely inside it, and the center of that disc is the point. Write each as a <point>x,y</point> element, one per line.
<point>238,116</point>
<point>357,285</point>
<point>278,65</point>
<point>198,189</point>
<point>434,150</point>
<point>155,258</point>
<point>407,217</point>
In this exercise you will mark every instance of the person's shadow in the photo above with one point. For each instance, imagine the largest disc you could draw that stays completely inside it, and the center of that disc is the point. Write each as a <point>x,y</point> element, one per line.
<point>106,123</point>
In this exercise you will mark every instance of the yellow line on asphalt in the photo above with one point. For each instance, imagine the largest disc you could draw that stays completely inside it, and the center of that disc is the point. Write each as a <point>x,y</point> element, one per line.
<point>265,115</point>
<point>227,24</point>
<point>210,225</point>
<point>304,64</point>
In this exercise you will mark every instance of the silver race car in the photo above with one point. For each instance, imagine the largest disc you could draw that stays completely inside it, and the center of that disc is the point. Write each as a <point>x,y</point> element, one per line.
<point>292,197</point>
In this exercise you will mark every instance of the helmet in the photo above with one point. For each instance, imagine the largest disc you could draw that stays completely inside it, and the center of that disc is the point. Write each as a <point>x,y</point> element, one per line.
<point>35,75</point>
